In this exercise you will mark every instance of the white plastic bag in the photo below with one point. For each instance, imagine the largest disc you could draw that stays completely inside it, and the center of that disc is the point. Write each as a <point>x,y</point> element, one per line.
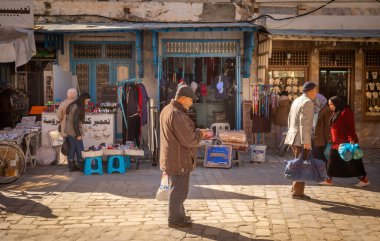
<point>164,189</point>
<point>46,156</point>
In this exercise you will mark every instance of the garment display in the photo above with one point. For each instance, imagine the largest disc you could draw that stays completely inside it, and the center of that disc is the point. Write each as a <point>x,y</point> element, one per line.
<point>134,101</point>
<point>222,85</point>
<point>261,109</point>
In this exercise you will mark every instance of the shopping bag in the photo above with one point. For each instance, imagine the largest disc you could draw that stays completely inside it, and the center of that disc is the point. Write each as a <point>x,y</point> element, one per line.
<point>163,191</point>
<point>349,151</point>
<point>327,151</point>
<point>299,169</point>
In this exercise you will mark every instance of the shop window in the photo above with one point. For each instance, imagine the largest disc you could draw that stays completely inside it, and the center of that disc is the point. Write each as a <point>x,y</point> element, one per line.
<point>290,81</point>
<point>102,78</point>
<point>372,85</point>
<point>213,81</point>
<point>335,82</point>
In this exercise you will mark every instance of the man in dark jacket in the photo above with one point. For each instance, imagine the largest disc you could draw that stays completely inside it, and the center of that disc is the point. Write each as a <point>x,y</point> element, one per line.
<point>178,140</point>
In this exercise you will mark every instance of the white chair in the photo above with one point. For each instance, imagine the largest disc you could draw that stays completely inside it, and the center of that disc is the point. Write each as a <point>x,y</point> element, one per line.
<point>216,127</point>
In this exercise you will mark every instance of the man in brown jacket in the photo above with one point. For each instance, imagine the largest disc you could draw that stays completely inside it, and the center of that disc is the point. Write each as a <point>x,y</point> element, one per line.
<point>178,140</point>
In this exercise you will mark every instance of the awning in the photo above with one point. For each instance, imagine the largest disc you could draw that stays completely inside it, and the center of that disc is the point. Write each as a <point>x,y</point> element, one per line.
<point>16,45</point>
<point>133,26</point>
<point>333,35</point>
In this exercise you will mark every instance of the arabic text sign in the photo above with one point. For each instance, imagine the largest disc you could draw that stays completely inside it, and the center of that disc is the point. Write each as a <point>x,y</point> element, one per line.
<point>98,128</point>
<point>17,13</point>
<point>218,156</point>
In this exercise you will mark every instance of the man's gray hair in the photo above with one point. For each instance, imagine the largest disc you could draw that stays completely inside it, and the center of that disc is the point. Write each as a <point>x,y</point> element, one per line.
<point>72,93</point>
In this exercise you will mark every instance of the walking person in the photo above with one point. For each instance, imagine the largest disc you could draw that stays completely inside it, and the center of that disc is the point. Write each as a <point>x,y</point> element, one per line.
<point>300,127</point>
<point>74,131</point>
<point>280,114</point>
<point>61,112</point>
<point>322,133</point>
<point>342,125</point>
<point>178,140</point>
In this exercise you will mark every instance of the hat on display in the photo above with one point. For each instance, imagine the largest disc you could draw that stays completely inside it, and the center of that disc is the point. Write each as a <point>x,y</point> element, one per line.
<point>308,86</point>
<point>186,91</point>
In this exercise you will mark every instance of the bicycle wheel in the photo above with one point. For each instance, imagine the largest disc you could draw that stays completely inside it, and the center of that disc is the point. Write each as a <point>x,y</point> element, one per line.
<point>12,162</point>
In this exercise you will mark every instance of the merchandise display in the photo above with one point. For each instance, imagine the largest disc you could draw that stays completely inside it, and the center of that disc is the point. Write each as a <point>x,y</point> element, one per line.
<point>236,139</point>
<point>372,91</point>
<point>290,81</point>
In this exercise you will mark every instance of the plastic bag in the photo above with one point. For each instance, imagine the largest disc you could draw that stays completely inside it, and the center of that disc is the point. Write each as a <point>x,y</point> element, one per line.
<point>164,190</point>
<point>348,151</point>
<point>327,151</point>
<point>313,170</point>
<point>46,156</point>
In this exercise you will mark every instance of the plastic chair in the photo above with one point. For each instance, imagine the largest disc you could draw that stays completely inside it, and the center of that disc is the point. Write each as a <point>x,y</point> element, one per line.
<point>112,160</point>
<point>88,167</point>
<point>216,127</point>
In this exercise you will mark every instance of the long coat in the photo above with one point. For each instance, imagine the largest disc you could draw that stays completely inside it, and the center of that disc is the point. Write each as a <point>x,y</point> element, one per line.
<point>178,140</point>
<point>281,113</point>
<point>322,130</point>
<point>343,129</point>
<point>300,121</point>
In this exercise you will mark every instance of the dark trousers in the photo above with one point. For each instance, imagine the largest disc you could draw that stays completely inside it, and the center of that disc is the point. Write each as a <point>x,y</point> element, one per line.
<point>76,148</point>
<point>299,187</point>
<point>178,195</point>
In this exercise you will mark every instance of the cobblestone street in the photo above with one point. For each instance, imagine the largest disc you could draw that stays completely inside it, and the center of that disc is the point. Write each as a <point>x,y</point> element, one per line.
<point>250,202</point>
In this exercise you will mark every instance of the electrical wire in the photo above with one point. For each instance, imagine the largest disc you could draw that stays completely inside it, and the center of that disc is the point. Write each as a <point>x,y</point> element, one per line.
<point>292,17</point>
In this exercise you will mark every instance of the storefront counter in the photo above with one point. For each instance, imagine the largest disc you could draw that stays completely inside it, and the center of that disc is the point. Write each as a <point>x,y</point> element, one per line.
<point>98,128</point>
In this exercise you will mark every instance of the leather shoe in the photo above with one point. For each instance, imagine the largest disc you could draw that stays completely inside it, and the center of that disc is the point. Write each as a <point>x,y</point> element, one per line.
<point>187,218</point>
<point>183,224</point>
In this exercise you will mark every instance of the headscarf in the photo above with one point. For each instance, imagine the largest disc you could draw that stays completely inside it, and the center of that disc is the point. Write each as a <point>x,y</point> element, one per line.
<point>319,102</point>
<point>80,102</point>
<point>340,105</point>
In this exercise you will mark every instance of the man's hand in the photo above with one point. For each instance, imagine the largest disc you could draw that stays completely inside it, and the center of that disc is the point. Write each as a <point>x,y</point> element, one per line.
<point>307,146</point>
<point>352,142</point>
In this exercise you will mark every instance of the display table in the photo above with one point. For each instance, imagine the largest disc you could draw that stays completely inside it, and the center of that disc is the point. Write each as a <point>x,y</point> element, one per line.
<point>98,128</point>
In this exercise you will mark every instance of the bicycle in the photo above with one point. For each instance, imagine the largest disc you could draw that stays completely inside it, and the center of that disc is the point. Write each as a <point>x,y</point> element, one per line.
<point>12,162</point>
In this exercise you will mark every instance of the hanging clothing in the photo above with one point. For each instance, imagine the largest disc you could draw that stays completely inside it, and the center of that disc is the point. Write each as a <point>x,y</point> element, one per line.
<point>134,129</point>
<point>143,101</point>
<point>132,113</point>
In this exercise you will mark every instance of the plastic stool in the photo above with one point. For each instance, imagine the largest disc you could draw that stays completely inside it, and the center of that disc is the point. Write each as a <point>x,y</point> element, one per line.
<point>127,161</point>
<point>98,167</point>
<point>111,164</point>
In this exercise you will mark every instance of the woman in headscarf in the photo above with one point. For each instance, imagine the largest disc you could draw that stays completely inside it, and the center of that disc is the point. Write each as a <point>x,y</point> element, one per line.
<point>343,131</point>
<point>322,134</point>
<point>75,116</point>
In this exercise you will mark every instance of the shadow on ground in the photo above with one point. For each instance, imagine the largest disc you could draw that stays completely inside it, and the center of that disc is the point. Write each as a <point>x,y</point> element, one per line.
<point>215,233</point>
<point>346,209</point>
<point>25,205</point>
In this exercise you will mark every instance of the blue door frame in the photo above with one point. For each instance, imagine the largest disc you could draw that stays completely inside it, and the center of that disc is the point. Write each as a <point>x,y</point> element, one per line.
<point>235,55</point>
<point>113,63</point>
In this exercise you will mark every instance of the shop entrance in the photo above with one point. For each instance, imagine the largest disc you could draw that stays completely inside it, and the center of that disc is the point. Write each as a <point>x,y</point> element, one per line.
<point>335,82</point>
<point>213,80</point>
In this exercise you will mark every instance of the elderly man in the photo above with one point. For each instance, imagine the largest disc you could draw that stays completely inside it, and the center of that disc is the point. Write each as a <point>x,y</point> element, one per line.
<point>61,113</point>
<point>300,129</point>
<point>178,138</point>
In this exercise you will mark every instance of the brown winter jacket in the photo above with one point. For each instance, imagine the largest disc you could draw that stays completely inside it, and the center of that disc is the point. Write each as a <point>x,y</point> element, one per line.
<point>281,113</point>
<point>322,130</point>
<point>178,140</point>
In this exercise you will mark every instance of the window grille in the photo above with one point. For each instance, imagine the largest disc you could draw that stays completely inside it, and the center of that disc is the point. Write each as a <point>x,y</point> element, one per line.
<point>87,51</point>
<point>200,47</point>
<point>336,58</point>
<point>83,74</point>
<point>119,51</point>
<point>372,58</point>
<point>102,77</point>
<point>289,57</point>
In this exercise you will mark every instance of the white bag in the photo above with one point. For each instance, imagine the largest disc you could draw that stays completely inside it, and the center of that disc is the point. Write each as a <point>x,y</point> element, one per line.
<point>164,189</point>
<point>46,156</point>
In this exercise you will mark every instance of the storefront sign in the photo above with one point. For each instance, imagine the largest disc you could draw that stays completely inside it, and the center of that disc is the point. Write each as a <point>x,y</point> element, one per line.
<point>218,156</point>
<point>174,47</point>
<point>98,128</point>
